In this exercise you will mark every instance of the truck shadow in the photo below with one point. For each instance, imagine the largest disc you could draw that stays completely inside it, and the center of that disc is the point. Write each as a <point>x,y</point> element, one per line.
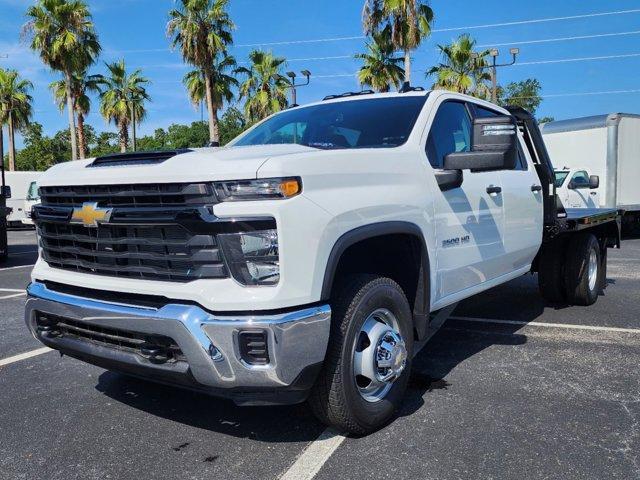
<point>458,341</point>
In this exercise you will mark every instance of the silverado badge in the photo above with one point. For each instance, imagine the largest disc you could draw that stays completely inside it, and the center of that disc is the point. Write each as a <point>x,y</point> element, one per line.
<point>89,215</point>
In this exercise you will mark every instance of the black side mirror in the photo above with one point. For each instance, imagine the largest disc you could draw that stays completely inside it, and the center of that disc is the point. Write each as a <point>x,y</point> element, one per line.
<point>6,191</point>
<point>494,146</point>
<point>594,182</point>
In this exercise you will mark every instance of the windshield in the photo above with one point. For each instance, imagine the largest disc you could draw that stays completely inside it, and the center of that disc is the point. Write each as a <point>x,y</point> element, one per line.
<point>32,194</point>
<point>560,178</point>
<point>373,123</point>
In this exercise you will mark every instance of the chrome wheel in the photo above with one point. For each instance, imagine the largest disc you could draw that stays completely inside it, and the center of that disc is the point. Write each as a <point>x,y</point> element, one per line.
<point>380,355</point>
<point>593,269</point>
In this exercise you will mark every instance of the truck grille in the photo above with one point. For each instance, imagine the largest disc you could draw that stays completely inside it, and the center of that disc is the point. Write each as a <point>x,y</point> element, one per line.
<point>151,195</point>
<point>148,243</point>
<point>157,348</point>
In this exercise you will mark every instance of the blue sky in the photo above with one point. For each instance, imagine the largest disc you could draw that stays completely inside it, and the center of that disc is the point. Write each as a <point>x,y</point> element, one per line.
<point>135,30</point>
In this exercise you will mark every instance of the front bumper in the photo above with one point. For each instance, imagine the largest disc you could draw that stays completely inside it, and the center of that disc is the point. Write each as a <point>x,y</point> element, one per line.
<point>213,363</point>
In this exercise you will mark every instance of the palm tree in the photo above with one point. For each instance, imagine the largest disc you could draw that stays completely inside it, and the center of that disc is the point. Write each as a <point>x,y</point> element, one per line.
<point>63,34</point>
<point>15,107</point>
<point>122,98</point>
<point>462,69</point>
<point>222,90</point>
<point>409,20</point>
<point>80,86</point>
<point>265,88</point>
<point>202,30</point>
<point>380,68</point>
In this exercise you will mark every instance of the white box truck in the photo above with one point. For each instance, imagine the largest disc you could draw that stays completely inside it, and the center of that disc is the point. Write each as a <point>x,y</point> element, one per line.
<point>607,146</point>
<point>20,183</point>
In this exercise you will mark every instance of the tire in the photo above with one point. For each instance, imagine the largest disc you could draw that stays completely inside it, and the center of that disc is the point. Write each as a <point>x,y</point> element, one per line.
<point>338,398</point>
<point>581,287</point>
<point>551,273</point>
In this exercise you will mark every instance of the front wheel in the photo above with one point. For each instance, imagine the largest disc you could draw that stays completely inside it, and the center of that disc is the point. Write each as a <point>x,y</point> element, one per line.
<point>368,361</point>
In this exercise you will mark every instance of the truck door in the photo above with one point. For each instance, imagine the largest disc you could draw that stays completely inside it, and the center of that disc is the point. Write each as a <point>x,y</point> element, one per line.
<point>523,206</point>
<point>469,220</point>
<point>579,193</point>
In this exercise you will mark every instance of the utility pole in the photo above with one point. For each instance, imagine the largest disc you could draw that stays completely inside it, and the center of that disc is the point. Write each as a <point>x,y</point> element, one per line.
<point>494,53</point>
<point>294,85</point>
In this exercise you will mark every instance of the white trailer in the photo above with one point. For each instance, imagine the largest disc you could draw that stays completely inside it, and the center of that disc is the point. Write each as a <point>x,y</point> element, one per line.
<point>19,183</point>
<point>604,145</point>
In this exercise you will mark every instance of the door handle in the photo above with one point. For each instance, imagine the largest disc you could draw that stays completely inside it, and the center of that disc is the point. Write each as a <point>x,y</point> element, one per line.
<point>593,193</point>
<point>536,188</point>
<point>493,189</point>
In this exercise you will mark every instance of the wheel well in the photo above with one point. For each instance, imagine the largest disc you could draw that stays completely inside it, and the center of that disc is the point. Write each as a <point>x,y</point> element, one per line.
<point>399,256</point>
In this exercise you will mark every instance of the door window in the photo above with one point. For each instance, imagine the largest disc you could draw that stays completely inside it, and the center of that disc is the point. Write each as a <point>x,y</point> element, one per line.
<point>580,180</point>
<point>450,133</point>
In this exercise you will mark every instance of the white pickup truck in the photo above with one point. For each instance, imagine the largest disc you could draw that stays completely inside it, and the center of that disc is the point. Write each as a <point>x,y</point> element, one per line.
<point>303,260</point>
<point>576,188</point>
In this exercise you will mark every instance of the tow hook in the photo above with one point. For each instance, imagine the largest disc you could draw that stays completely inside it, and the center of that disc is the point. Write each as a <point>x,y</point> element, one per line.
<point>155,353</point>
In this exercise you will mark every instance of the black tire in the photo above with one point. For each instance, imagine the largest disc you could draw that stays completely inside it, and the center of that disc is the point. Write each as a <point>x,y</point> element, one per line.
<point>551,272</point>
<point>335,398</point>
<point>577,270</point>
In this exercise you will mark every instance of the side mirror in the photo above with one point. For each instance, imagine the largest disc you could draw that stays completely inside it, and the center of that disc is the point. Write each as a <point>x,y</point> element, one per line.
<point>494,146</point>
<point>594,182</point>
<point>6,191</point>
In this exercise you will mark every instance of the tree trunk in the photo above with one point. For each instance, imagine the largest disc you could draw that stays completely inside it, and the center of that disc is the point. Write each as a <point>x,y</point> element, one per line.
<point>216,126</point>
<point>72,118</point>
<point>214,135</point>
<point>407,66</point>
<point>123,136</point>
<point>82,141</point>
<point>12,145</point>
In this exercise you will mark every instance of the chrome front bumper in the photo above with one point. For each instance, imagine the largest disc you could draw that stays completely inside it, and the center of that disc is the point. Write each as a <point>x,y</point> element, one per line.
<point>297,343</point>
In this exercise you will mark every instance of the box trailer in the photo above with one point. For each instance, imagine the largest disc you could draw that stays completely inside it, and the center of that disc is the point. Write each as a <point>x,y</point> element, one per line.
<point>607,146</point>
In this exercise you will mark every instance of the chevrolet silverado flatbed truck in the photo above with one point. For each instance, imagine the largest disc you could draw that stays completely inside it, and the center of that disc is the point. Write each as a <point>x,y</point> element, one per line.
<point>302,261</point>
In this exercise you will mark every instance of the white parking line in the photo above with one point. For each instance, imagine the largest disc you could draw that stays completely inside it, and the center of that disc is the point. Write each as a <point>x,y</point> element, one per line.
<point>24,356</point>
<point>15,295</point>
<point>314,456</point>
<point>19,266</point>
<point>570,326</point>
<point>11,289</point>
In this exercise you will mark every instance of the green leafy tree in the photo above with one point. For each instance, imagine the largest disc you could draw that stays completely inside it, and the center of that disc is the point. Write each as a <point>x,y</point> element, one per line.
<point>122,98</point>
<point>525,94</point>
<point>15,107</point>
<point>462,69</point>
<point>40,151</point>
<point>409,21</point>
<point>63,34</point>
<point>546,120</point>
<point>222,87</point>
<point>201,29</point>
<point>81,85</point>
<point>265,87</point>
<point>232,124</point>
<point>381,68</point>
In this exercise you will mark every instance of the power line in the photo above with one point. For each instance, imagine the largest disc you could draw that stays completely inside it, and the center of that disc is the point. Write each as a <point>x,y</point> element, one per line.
<point>560,39</point>
<point>580,59</point>
<point>450,29</point>
<point>437,30</point>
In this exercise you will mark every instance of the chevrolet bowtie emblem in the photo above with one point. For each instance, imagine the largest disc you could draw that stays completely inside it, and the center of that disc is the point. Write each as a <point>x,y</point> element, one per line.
<point>90,215</point>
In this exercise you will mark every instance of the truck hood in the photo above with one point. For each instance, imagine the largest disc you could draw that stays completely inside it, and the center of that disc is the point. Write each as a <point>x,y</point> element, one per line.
<point>201,165</point>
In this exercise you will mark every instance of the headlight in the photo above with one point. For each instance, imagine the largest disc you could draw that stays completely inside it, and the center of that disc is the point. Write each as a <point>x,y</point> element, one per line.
<point>252,257</point>
<point>263,189</point>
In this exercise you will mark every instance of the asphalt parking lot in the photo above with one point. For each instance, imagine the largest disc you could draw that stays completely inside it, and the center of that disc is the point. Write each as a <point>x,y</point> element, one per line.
<point>508,389</point>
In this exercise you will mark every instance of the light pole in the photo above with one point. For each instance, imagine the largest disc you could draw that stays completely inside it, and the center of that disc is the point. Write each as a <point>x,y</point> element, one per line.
<point>294,85</point>
<point>494,53</point>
